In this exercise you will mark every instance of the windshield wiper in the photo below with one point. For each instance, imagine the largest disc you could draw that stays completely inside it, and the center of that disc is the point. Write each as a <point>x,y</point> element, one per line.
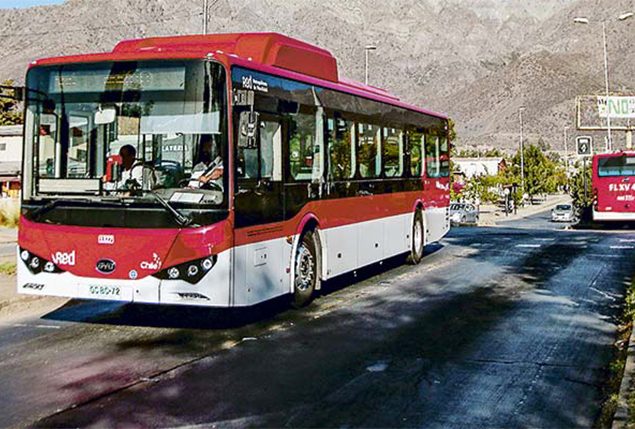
<point>37,213</point>
<point>180,218</point>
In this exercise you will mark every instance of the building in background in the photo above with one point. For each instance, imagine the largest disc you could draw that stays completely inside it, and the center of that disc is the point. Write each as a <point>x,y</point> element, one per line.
<point>471,167</point>
<point>10,160</point>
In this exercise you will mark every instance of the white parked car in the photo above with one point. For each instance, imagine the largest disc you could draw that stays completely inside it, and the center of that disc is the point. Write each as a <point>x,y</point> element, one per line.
<point>562,213</point>
<point>463,213</point>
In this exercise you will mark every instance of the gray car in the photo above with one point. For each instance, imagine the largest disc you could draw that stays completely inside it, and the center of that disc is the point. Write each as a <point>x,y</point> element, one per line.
<point>463,213</point>
<point>562,213</point>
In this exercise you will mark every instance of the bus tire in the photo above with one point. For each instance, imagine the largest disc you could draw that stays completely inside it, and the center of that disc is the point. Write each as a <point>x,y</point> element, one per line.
<point>418,239</point>
<point>306,274</point>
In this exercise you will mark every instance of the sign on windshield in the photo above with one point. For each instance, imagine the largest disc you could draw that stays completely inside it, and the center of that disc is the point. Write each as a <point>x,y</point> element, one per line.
<point>100,80</point>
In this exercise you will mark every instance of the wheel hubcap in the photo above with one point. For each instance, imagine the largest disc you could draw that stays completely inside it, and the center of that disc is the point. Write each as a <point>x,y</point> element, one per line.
<point>304,269</point>
<point>418,237</point>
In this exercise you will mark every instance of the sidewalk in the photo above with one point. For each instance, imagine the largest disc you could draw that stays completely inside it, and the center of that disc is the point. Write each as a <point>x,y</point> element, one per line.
<point>491,214</point>
<point>8,235</point>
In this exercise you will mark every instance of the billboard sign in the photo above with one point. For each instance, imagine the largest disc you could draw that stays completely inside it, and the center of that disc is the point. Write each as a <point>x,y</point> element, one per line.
<point>616,107</point>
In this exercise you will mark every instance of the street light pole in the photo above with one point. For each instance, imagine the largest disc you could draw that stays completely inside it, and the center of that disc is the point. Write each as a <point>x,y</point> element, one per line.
<point>522,150</point>
<point>566,150</point>
<point>205,16</point>
<point>367,48</point>
<point>622,17</point>
<point>609,143</point>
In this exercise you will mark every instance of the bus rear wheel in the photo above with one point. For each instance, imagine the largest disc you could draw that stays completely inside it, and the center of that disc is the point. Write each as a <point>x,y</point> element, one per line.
<point>418,239</point>
<point>306,270</point>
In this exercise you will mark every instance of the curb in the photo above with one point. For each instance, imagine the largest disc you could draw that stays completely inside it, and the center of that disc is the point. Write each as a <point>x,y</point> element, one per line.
<point>532,210</point>
<point>627,387</point>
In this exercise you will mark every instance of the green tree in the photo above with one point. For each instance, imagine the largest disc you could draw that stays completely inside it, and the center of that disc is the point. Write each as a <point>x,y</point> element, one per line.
<point>541,174</point>
<point>10,111</point>
<point>582,200</point>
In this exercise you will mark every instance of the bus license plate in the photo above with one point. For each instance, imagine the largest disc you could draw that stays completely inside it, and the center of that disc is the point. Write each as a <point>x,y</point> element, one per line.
<point>106,292</point>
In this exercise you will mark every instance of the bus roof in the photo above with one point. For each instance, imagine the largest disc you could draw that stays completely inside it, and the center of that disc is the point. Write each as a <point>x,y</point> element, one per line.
<point>270,52</point>
<point>614,154</point>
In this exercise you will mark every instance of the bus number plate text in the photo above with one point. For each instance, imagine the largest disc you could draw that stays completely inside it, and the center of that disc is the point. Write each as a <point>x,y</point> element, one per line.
<point>105,291</point>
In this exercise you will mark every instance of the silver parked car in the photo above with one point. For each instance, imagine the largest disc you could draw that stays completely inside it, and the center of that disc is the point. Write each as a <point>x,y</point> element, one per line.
<point>463,213</point>
<point>562,213</point>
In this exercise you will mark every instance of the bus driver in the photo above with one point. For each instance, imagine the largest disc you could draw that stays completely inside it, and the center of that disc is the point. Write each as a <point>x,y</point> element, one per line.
<point>209,169</point>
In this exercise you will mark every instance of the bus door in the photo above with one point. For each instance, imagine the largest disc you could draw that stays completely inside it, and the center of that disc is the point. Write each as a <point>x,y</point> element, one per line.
<point>259,175</point>
<point>259,209</point>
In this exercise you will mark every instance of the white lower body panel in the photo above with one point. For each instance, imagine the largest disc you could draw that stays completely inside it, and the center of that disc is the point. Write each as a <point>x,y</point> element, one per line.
<point>211,290</point>
<point>616,216</point>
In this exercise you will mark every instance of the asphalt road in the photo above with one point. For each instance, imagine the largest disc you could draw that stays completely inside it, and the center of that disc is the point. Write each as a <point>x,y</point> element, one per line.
<point>498,327</point>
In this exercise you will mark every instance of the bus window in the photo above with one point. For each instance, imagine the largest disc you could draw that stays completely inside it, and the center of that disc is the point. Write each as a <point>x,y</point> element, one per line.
<point>368,155</point>
<point>415,144</point>
<point>444,157</point>
<point>302,147</point>
<point>270,150</point>
<point>341,147</point>
<point>77,166</point>
<point>432,156</point>
<point>393,152</point>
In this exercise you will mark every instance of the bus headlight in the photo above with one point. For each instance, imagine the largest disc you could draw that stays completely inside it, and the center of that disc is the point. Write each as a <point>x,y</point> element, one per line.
<point>37,264</point>
<point>173,273</point>
<point>192,271</point>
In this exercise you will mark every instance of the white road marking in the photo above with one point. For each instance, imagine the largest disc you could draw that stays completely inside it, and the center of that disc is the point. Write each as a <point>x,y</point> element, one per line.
<point>26,325</point>
<point>627,240</point>
<point>622,247</point>
<point>604,294</point>
<point>544,239</point>
<point>533,246</point>
<point>377,367</point>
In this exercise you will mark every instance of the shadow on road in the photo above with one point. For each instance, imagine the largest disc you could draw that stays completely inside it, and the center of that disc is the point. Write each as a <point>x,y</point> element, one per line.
<point>441,344</point>
<point>190,317</point>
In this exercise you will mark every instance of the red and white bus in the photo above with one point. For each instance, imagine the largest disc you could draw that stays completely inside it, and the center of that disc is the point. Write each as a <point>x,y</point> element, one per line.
<point>614,186</point>
<point>219,170</point>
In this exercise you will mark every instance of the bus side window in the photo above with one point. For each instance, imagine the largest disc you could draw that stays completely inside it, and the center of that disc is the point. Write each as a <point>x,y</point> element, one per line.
<point>415,144</point>
<point>444,157</point>
<point>433,156</point>
<point>392,146</point>
<point>270,150</point>
<point>341,149</point>
<point>304,149</point>
<point>368,153</point>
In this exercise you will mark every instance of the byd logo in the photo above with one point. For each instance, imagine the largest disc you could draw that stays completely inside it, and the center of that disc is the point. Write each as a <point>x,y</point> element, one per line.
<point>105,266</point>
<point>105,239</point>
<point>64,258</point>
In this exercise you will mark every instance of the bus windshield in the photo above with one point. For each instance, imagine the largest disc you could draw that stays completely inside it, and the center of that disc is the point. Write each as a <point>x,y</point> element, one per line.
<point>616,166</point>
<point>129,129</point>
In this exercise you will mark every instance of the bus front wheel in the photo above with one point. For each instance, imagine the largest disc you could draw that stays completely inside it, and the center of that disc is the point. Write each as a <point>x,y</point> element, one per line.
<point>306,270</point>
<point>418,239</point>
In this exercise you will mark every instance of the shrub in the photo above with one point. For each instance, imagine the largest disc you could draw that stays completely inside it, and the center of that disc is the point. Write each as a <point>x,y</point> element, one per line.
<point>9,212</point>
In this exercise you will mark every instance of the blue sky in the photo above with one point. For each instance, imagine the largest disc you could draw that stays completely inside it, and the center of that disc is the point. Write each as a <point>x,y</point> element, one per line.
<point>5,4</point>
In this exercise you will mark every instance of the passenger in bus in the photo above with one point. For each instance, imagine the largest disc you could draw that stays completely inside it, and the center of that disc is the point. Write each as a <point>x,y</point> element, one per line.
<point>135,174</point>
<point>208,171</point>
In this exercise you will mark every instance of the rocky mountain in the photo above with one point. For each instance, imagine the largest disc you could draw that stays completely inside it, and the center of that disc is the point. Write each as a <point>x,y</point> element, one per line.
<point>476,60</point>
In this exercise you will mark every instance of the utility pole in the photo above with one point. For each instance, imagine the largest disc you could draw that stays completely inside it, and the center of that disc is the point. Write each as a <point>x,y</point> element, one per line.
<point>522,151</point>
<point>566,150</point>
<point>205,9</point>
<point>367,48</point>
<point>606,83</point>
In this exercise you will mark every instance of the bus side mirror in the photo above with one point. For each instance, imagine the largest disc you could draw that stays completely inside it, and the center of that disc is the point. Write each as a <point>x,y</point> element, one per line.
<point>248,130</point>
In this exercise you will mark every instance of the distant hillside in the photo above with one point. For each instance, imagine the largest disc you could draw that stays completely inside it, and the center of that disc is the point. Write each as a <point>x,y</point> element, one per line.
<point>478,61</point>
